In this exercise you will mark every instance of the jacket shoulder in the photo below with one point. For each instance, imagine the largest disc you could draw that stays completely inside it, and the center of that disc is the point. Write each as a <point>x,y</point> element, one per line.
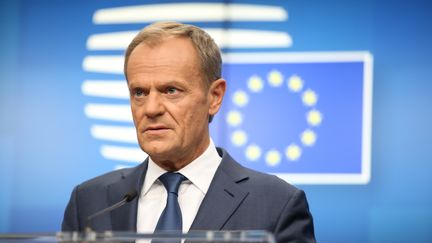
<point>269,183</point>
<point>257,181</point>
<point>106,179</point>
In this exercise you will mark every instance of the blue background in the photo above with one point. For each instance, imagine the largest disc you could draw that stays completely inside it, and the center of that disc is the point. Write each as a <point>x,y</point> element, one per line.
<point>42,156</point>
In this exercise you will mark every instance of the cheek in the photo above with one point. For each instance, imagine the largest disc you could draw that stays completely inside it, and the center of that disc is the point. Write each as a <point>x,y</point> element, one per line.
<point>184,116</point>
<point>196,118</point>
<point>136,114</point>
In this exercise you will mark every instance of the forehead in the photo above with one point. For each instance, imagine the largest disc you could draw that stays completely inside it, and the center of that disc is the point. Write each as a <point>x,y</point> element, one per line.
<point>174,52</point>
<point>172,60</point>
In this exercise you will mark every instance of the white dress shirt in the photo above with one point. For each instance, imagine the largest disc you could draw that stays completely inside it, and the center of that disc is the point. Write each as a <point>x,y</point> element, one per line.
<point>153,196</point>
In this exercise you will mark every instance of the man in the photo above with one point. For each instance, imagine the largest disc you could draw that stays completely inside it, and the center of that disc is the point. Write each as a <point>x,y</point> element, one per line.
<point>173,73</point>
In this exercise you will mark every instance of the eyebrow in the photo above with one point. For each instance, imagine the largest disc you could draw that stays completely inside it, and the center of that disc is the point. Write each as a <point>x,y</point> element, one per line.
<point>133,85</point>
<point>173,82</point>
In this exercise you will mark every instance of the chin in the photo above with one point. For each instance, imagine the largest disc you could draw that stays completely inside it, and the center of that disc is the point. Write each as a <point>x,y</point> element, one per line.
<point>160,151</point>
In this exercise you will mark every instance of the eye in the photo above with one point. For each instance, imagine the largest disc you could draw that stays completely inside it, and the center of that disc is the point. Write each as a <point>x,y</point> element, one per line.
<point>171,90</point>
<point>138,92</point>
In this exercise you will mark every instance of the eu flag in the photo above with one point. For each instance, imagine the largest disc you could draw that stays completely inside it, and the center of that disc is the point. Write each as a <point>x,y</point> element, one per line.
<point>303,116</point>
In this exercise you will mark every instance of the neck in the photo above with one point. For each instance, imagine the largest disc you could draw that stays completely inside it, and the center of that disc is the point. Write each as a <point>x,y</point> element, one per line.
<point>182,161</point>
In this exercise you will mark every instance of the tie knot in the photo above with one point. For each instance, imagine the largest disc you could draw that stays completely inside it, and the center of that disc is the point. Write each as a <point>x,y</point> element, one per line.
<point>172,181</point>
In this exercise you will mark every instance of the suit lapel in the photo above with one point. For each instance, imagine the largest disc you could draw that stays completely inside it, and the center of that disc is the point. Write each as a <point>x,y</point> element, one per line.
<point>124,218</point>
<point>223,198</point>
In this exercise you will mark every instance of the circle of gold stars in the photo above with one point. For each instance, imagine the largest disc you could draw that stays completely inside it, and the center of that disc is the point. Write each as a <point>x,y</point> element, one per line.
<point>293,151</point>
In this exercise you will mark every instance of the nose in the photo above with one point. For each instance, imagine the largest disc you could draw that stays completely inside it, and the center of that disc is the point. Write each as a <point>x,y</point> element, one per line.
<point>153,106</point>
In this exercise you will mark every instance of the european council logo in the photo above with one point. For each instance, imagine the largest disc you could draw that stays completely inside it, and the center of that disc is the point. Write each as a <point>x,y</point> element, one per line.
<point>305,117</point>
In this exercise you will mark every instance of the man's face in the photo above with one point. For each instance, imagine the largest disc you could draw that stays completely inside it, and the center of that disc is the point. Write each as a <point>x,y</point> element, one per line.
<point>170,102</point>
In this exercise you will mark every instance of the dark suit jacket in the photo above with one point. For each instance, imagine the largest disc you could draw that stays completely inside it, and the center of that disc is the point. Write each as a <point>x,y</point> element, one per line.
<point>238,199</point>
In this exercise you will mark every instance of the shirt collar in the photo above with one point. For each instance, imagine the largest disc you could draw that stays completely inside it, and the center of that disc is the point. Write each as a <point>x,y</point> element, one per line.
<point>200,171</point>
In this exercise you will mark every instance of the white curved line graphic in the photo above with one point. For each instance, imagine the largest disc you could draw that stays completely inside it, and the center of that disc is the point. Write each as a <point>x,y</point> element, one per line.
<point>224,38</point>
<point>110,41</point>
<point>104,64</point>
<point>189,12</point>
<point>243,38</point>
<point>109,112</point>
<point>121,153</point>
<point>106,88</point>
<point>125,134</point>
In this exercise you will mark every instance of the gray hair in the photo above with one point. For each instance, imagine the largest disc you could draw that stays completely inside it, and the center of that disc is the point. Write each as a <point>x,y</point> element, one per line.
<point>207,50</point>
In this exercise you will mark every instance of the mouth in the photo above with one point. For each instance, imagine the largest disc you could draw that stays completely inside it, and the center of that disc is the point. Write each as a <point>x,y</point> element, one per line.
<point>157,129</point>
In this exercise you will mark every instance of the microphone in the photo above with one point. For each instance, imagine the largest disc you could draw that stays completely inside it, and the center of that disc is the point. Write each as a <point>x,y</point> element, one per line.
<point>129,196</point>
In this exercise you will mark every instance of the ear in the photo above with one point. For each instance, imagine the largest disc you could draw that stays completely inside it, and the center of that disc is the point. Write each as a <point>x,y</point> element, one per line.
<point>215,95</point>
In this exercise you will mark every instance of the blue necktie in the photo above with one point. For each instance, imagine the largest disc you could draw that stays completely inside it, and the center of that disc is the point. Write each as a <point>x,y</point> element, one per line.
<point>171,217</point>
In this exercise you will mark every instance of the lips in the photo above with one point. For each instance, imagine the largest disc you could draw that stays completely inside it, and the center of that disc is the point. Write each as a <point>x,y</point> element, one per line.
<point>155,129</point>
